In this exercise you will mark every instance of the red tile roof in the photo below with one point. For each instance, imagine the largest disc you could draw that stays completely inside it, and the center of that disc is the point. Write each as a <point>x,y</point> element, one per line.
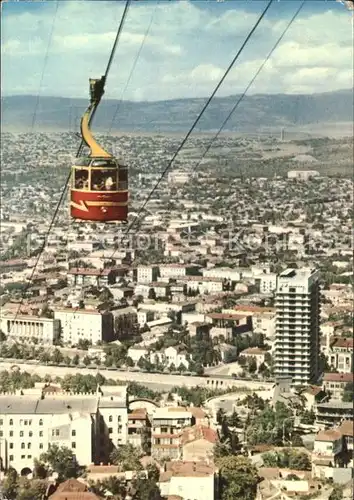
<point>329,435</point>
<point>338,377</point>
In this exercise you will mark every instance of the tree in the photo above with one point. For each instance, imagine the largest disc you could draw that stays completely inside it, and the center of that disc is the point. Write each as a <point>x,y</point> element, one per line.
<point>252,365</point>
<point>9,485</point>
<point>239,478</point>
<point>2,336</point>
<point>127,457</point>
<point>76,360</point>
<point>348,392</point>
<point>146,489</point>
<point>83,344</point>
<point>39,470</point>
<point>129,361</point>
<point>31,490</point>
<point>86,361</point>
<point>337,493</point>
<point>62,461</point>
<point>152,294</point>
<point>57,357</point>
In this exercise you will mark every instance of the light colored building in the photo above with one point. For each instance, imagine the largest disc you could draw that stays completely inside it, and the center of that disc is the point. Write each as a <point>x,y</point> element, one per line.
<point>334,383</point>
<point>188,481</point>
<point>167,426</point>
<point>302,175</point>
<point>178,270</point>
<point>26,328</point>
<point>139,429</point>
<point>198,443</point>
<point>171,356</point>
<point>91,425</point>
<point>268,283</point>
<point>137,352</point>
<point>297,345</point>
<point>88,276</point>
<point>147,274</point>
<point>340,354</point>
<point>82,324</point>
<point>328,443</point>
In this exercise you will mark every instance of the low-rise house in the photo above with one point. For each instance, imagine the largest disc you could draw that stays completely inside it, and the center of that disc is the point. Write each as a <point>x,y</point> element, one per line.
<point>174,355</point>
<point>335,383</point>
<point>72,489</point>
<point>198,443</point>
<point>328,443</point>
<point>255,352</point>
<point>189,480</point>
<point>137,352</point>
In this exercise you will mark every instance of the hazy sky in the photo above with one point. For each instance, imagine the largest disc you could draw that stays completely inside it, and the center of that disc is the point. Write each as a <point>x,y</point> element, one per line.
<point>189,45</point>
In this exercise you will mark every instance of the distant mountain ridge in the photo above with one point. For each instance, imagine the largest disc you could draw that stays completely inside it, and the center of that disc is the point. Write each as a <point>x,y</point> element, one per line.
<point>263,110</point>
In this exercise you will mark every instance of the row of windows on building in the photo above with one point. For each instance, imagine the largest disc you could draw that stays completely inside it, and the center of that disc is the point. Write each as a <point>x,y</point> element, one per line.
<point>55,432</point>
<point>29,422</point>
<point>29,445</point>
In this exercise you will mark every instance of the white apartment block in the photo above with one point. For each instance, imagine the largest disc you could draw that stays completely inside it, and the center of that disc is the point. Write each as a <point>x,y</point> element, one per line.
<point>268,283</point>
<point>297,346</point>
<point>222,272</point>
<point>91,425</point>
<point>147,274</point>
<point>177,270</point>
<point>82,324</point>
<point>26,328</point>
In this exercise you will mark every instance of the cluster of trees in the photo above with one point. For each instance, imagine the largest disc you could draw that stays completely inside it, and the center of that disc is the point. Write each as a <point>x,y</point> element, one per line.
<point>268,425</point>
<point>287,459</point>
<point>14,487</point>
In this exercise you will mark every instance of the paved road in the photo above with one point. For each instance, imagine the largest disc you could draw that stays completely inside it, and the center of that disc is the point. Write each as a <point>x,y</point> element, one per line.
<point>148,379</point>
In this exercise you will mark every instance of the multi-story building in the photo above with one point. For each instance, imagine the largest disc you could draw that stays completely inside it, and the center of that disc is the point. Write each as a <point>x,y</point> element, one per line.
<point>83,324</point>
<point>297,345</point>
<point>27,328</point>
<point>167,426</point>
<point>147,274</point>
<point>340,354</point>
<point>91,425</point>
<point>333,413</point>
<point>94,277</point>
<point>268,283</point>
<point>139,429</point>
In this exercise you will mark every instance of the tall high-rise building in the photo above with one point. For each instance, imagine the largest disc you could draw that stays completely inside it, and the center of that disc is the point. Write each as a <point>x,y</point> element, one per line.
<point>297,342</point>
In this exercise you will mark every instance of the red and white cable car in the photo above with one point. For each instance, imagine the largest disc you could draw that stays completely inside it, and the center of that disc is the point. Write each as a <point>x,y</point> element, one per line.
<point>99,182</point>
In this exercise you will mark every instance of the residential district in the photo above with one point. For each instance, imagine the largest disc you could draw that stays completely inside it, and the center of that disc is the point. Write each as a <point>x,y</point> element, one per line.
<point>206,353</point>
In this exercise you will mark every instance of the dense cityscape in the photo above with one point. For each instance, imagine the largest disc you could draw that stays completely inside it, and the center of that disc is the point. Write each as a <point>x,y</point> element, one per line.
<point>209,350</point>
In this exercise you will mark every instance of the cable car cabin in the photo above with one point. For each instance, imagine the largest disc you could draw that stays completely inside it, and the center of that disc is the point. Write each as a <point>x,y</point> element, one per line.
<point>99,190</point>
<point>99,182</point>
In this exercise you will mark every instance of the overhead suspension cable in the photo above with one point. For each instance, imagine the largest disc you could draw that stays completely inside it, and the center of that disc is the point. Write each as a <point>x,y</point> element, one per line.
<point>34,116</point>
<point>195,123</point>
<point>243,95</point>
<point>121,24</point>
<point>133,68</point>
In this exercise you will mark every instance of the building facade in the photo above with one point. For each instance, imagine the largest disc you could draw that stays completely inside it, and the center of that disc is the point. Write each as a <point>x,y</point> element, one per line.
<point>297,344</point>
<point>82,324</point>
<point>27,328</point>
<point>91,425</point>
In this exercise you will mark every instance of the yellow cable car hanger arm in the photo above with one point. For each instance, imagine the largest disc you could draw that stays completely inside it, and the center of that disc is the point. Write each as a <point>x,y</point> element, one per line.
<point>96,93</point>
